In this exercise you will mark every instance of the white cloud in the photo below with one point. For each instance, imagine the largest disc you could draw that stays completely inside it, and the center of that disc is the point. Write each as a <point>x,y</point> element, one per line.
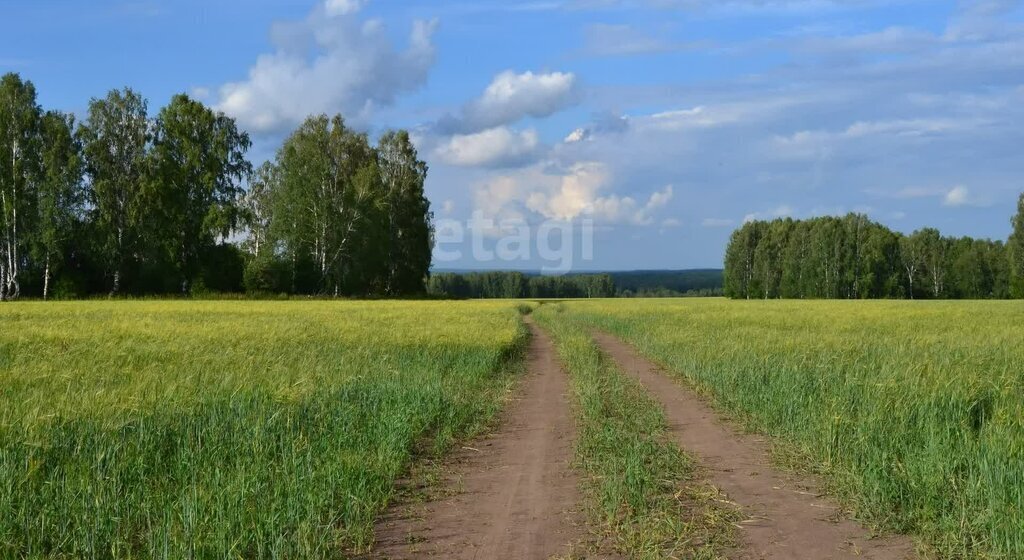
<point>511,97</point>
<point>578,135</point>
<point>961,196</point>
<point>353,68</point>
<point>601,123</point>
<point>494,147</point>
<point>957,196</point>
<point>342,7</point>
<point>626,210</point>
<point>576,191</point>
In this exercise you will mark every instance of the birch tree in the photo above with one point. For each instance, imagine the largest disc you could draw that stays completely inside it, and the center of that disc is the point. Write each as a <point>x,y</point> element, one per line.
<point>61,196</point>
<point>116,138</point>
<point>198,164</point>
<point>329,203</point>
<point>257,207</point>
<point>19,124</point>
<point>1015,251</point>
<point>409,228</point>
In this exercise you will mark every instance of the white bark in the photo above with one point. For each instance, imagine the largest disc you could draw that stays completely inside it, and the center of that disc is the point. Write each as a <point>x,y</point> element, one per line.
<point>46,279</point>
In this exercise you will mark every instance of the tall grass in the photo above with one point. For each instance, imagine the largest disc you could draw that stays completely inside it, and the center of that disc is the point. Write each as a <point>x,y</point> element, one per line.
<point>641,489</point>
<point>914,411</point>
<point>229,429</point>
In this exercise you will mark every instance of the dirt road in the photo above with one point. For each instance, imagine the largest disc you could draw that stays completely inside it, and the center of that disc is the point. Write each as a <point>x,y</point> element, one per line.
<point>510,495</point>
<point>787,518</point>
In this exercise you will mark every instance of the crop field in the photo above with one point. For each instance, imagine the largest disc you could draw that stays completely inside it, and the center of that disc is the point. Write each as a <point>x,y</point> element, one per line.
<point>247,429</point>
<point>230,429</point>
<point>912,411</point>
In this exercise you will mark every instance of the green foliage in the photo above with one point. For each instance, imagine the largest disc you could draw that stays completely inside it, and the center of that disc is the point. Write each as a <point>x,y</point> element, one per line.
<point>116,137</point>
<point>1015,252</point>
<point>668,281</point>
<point>854,258</point>
<point>230,429</point>
<point>346,218</point>
<point>131,205</point>
<point>911,412</point>
<point>19,170</point>
<point>513,285</point>
<point>198,163</point>
<point>409,228</point>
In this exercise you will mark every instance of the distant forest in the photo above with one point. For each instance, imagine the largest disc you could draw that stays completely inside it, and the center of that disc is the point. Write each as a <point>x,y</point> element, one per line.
<point>639,283</point>
<point>123,203</point>
<point>852,257</point>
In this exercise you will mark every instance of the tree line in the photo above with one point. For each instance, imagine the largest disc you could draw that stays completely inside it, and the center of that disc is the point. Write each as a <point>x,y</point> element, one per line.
<point>853,257</point>
<point>125,203</point>
<point>514,285</point>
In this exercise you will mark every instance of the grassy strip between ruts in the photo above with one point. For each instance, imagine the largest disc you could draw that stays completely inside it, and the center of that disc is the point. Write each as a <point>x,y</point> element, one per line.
<point>642,492</point>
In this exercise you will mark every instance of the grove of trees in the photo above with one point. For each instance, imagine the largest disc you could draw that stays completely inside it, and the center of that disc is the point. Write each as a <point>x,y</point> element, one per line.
<point>126,203</point>
<point>854,258</point>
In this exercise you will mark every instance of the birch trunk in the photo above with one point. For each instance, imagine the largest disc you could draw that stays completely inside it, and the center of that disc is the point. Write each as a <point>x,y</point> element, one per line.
<point>46,278</point>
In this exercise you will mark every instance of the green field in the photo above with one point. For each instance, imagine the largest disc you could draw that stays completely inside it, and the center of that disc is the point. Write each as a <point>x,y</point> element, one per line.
<point>278,429</point>
<point>913,411</point>
<point>234,429</point>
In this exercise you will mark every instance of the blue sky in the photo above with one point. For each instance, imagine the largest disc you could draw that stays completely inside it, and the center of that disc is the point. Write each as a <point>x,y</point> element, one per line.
<point>666,123</point>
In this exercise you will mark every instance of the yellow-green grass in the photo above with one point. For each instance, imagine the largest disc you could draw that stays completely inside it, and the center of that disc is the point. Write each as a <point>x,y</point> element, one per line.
<point>230,429</point>
<point>914,411</point>
<point>643,493</point>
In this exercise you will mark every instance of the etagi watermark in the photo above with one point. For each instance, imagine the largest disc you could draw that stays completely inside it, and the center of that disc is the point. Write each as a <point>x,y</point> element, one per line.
<point>553,242</point>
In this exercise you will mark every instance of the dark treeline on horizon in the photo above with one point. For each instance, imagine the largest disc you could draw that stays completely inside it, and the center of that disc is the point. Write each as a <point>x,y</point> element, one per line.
<point>513,285</point>
<point>122,203</point>
<point>851,257</point>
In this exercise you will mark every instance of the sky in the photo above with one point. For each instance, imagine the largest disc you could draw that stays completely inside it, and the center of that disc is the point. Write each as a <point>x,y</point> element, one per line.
<point>634,134</point>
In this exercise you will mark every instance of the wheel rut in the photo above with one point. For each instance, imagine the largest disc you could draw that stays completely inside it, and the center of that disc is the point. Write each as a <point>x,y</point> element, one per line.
<point>511,494</point>
<point>786,517</point>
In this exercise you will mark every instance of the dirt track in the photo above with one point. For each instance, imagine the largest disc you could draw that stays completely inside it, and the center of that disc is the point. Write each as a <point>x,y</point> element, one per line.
<point>786,518</point>
<point>510,495</point>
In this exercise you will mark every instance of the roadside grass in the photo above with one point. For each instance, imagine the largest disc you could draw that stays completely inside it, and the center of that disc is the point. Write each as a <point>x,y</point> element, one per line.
<point>643,493</point>
<point>913,412</point>
<point>231,429</point>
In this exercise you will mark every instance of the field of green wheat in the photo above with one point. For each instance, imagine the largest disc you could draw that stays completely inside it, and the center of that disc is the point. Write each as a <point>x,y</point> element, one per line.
<point>230,429</point>
<point>912,411</point>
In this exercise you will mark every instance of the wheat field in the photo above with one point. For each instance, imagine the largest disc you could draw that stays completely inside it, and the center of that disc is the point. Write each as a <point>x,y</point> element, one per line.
<point>231,429</point>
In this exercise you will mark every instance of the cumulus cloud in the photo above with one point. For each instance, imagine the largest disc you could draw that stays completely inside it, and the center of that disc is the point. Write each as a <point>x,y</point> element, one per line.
<point>511,97</point>
<point>580,190</point>
<point>962,196</point>
<point>494,147</point>
<point>342,7</point>
<point>957,196</point>
<point>577,135</point>
<point>331,62</point>
<point>605,122</point>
